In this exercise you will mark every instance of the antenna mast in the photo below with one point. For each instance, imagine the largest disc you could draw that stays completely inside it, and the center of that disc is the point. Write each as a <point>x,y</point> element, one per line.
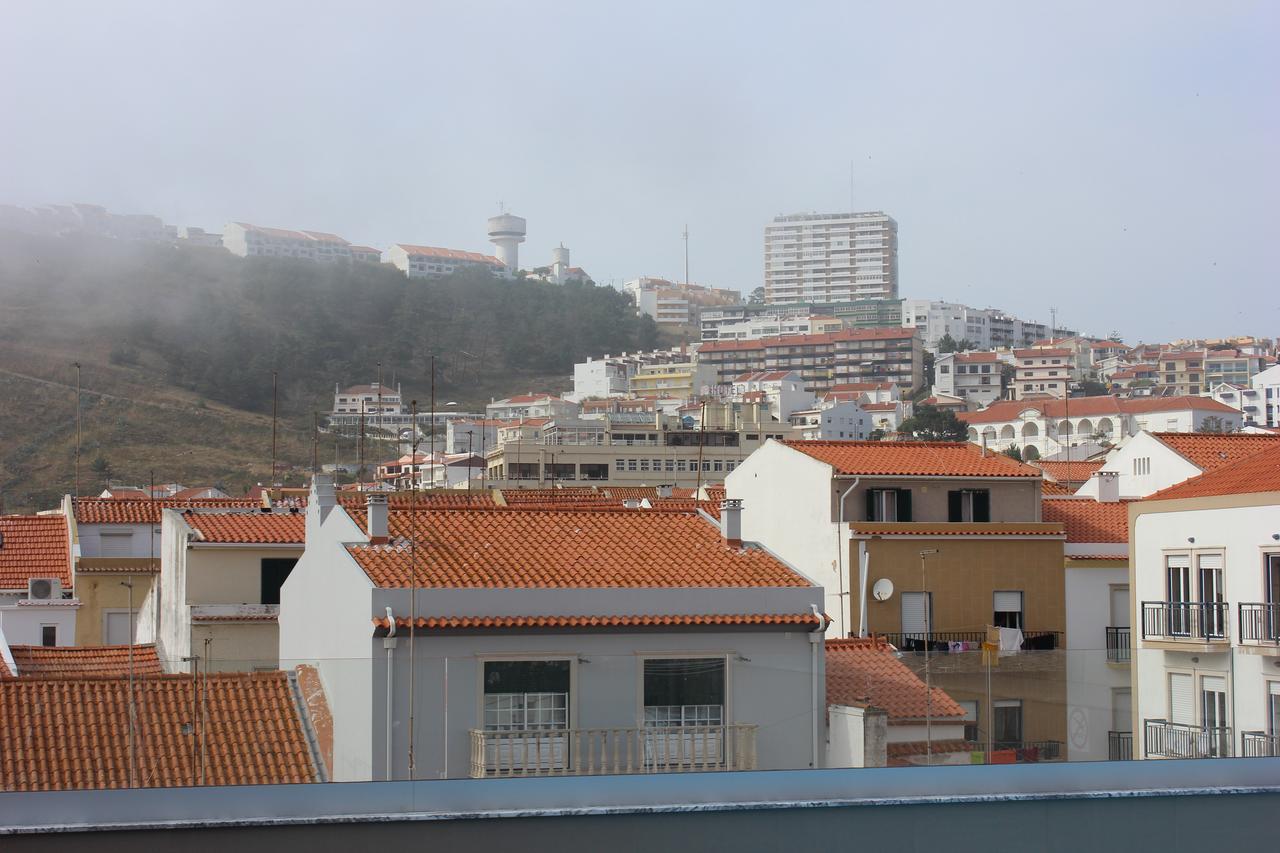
<point>274,410</point>
<point>78,429</point>
<point>686,254</point>
<point>413,573</point>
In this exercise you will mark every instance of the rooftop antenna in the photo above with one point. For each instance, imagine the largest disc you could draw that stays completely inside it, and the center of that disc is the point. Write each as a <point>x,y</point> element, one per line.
<point>315,444</point>
<point>133,714</point>
<point>686,254</point>
<point>381,422</point>
<point>851,206</point>
<point>78,429</point>
<point>274,410</point>
<point>413,575</point>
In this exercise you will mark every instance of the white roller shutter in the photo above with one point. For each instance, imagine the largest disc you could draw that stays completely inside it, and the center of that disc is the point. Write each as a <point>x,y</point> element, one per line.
<point>1008,602</point>
<point>1182,708</point>
<point>117,544</point>
<point>1120,607</point>
<point>1211,561</point>
<point>914,616</point>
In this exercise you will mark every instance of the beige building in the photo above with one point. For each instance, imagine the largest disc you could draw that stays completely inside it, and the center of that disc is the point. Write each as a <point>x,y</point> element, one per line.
<point>1182,372</point>
<point>1040,373</point>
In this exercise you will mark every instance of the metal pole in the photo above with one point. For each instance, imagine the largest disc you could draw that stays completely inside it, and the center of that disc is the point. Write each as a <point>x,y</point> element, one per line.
<point>413,579</point>
<point>360,451</point>
<point>78,430</point>
<point>928,680</point>
<point>702,440</point>
<point>470,458</point>
<point>274,411</point>
<point>132,709</point>
<point>315,444</point>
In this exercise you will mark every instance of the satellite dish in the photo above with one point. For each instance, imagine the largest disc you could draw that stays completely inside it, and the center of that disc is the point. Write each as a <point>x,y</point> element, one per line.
<point>883,589</point>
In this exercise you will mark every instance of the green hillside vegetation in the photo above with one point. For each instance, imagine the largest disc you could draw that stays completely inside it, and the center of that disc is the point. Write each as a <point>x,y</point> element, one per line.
<point>177,347</point>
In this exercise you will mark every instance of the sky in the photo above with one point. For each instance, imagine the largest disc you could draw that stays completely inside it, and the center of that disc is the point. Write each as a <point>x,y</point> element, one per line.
<point>1117,161</point>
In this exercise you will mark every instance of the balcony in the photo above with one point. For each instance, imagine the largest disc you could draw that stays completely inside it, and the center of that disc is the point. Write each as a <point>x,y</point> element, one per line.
<point>1259,745</point>
<point>1025,752</point>
<point>1163,739</point>
<point>1119,746</point>
<point>1186,621</point>
<point>1260,624</point>
<point>944,641</point>
<point>1118,643</point>
<point>578,752</point>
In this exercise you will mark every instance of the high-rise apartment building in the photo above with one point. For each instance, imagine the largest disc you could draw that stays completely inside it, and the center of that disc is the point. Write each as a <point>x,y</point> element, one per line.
<point>830,257</point>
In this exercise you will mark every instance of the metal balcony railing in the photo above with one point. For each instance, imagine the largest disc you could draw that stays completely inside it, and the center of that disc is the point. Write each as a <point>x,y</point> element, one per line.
<point>1026,752</point>
<point>942,641</point>
<point>1120,746</point>
<point>1185,620</point>
<point>1259,745</point>
<point>1260,623</point>
<point>1118,640</point>
<point>1163,739</point>
<point>571,752</point>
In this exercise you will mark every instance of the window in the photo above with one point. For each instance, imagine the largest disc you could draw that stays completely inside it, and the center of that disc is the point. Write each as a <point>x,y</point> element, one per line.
<point>115,544</point>
<point>944,369</point>
<point>888,504</point>
<point>1142,466</point>
<point>115,627</point>
<point>684,692</point>
<point>1006,721</point>
<point>916,613</point>
<point>971,728</point>
<point>523,695</point>
<point>1007,605</point>
<point>48,635</point>
<point>274,572</point>
<point>969,505</point>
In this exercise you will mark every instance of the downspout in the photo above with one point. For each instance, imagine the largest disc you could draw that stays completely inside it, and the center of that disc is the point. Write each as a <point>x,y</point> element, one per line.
<point>840,549</point>
<point>815,642</point>
<point>864,560</point>
<point>389,643</point>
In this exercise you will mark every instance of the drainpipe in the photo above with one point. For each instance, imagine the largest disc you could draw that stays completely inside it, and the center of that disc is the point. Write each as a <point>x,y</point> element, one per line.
<point>389,643</point>
<point>840,548</point>
<point>815,642</point>
<point>864,560</point>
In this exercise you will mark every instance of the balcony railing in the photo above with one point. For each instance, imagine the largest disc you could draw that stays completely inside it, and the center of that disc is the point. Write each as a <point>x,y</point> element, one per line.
<point>1025,752</point>
<point>944,641</point>
<point>1259,745</point>
<point>1185,620</point>
<point>1163,739</point>
<point>1118,640</point>
<point>1120,746</point>
<point>570,752</point>
<point>1260,623</point>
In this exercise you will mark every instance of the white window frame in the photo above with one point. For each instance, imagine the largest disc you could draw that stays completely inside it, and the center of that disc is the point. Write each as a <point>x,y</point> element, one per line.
<point>571,657</point>
<point>702,654</point>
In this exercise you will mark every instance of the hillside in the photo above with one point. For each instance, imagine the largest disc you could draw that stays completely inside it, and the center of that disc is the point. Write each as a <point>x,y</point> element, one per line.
<point>177,347</point>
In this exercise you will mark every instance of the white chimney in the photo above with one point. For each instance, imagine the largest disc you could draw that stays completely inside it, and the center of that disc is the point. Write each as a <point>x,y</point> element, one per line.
<point>665,491</point>
<point>731,522</point>
<point>1108,486</point>
<point>377,509</point>
<point>320,503</point>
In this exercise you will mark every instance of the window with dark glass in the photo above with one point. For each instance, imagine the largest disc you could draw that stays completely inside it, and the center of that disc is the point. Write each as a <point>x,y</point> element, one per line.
<point>684,692</point>
<point>969,505</point>
<point>274,573</point>
<point>1007,607</point>
<point>526,694</point>
<point>888,504</point>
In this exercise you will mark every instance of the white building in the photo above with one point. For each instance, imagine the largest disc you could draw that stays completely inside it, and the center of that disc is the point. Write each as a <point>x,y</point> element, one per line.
<point>782,391</point>
<point>672,303</point>
<point>974,377</point>
<point>1267,384</point>
<point>193,236</point>
<point>1205,574</point>
<point>833,421</point>
<point>611,375</point>
<point>573,641</point>
<point>429,261</point>
<point>1040,373</point>
<point>1151,461</point>
<point>37,606</point>
<point>249,241</point>
<point>830,257</point>
<point>1244,399</point>
<point>985,328</point>
<point>530,405</point>
<point>770,325</point>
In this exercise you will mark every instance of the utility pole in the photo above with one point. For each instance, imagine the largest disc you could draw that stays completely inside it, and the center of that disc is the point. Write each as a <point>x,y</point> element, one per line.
<point>413,578</point>
<point>78,430</point>
<point>133,715</point>
<point>274,410</point>
<point>315,444</point>
<point>686,255</point>
<point>928,638</point>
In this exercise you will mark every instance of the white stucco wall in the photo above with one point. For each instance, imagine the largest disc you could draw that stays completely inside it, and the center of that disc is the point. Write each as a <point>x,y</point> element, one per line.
<point>1167,468</point>
<point>21,623</point>
<point>1091,679</point>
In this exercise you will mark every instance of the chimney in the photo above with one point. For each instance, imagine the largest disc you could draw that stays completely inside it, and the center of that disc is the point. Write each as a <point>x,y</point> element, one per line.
<point>320,503</point>
<point>1108,486</point>
<point>664,491</point>
<point>731,522</point>
<point>631,503</point>
<point>377,508</point>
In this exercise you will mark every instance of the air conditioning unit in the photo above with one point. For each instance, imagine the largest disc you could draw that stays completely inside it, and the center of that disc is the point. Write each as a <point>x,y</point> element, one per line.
<point>44,589</point>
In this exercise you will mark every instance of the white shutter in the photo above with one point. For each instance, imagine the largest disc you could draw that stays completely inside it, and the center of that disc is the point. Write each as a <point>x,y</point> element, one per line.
<point>117,544</point>
<point>1121,710</point>
<point>1178,561</point>
<point>1273,688</point>
<point>914,617</point>
<point>117,630</point>
<point>1182,708</point>
<point>1119,607</point>
<point>1008,602</point>
<point>1211,561</point>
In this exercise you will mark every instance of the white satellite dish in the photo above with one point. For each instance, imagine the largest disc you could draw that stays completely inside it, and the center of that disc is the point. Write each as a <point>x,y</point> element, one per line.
<point>883,589</point>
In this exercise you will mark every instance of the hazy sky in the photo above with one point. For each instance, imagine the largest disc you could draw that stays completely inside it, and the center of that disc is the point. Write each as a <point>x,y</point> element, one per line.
<point>1117,160</point>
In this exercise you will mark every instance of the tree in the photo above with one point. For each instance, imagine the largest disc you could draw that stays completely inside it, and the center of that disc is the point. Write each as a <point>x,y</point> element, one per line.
<point>1213,423</point>
<point>756,297</point>
<point>1094,388</point>
<point>877,434</point>
<point>929,362</point>
<point>946,344</point>
<point>1013,452</point>
<point>929,423</point>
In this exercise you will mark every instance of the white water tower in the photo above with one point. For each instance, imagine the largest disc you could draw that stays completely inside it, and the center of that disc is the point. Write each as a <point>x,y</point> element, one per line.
<point>559,264</point>
<point>507,233</point>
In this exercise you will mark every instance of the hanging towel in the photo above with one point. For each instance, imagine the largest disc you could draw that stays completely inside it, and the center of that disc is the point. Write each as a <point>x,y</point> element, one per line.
<point>1010,641</point>
<point>956,646</point>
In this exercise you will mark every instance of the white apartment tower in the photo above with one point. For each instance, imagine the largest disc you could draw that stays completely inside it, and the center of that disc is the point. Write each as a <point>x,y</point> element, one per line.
<point>830,257</point>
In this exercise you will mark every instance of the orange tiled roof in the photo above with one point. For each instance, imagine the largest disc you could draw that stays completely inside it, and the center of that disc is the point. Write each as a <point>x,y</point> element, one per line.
<point>1087,520</point>
<point>73,733</point>
<point>566,549</point>
<point>912,459</point>
<point>448,254</point>
<point>1048,487</point>
<point>79,661</point>
<point>1250,475</point>
<point>1210,451</point>
<point>34,546</point>
<point>112,511</point>
<point>425,499</point>
<point>925,528</point>
<point>273,528</point>
<point>1079,407</point>
<point>1070,472</point>
<point>869,672</point>
<point>440,623</point>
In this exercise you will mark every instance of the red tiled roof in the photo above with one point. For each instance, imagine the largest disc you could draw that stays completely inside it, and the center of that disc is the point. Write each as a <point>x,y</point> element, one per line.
<point>566,549</point>
<point>79,661</point>
<point>1048,487</point>
<point>111,511</point>
<point>1068,472</point>
<point>1210,451</point>
<point>1056,352</point>
<point>400,500</point>
<point>976,357</point>
<point>912,459</point>
<point>1087,520</point>
<point>274,528</point>
<point>34,546</point>
<point>448,254</point>
<point>73,733</point>
<point>869,672</point>
<point>1251,475</point>
<point>439,623</point>
<point>925,528</point>
<point>1009,410</point>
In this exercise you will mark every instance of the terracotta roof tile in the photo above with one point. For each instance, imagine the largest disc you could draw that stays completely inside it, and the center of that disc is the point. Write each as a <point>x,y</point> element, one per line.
<point>1068,472</point>
<point>1250,475</point>
<point>1048,487</point>
<point>73,733</point>
<point>566,549</point>
<point>245,527</point>
<point>1079,407</point>
<point>34,546</point>
<point>1209,451</point>
<point>439,623</point>
<point>79,661</point>
<point>398,500</point>
<point>868,672</point>
<point>912,458</point>
<point>924,528</point>
<point>1087,520</point>
<point>112,511</point>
